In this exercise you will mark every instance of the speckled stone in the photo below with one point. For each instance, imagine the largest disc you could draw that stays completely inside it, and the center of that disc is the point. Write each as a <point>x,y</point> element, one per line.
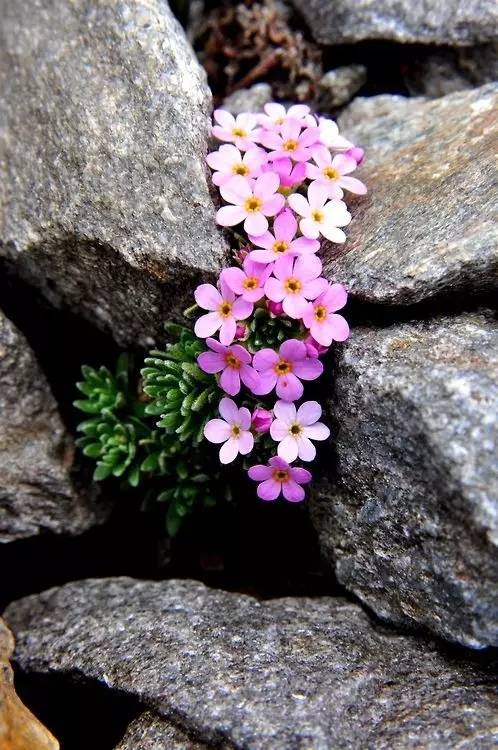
<point>236,672</point>
<point>444,22</point>
<point>411,523</point>
<point>103,132</point>
<point>150,732</point>
<point>37,493</point>
<point>428,225</point>
<point>338,86</point>
<point>252,99</point>
<point>438,73</point>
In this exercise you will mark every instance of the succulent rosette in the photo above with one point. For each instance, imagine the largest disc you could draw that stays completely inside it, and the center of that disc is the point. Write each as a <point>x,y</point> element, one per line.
<point>284,176</point>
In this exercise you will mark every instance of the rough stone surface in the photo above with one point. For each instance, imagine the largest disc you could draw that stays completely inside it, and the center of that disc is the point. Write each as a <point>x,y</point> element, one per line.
<point>412,521</point>
<point>19,729</point>
<point>249,100</point>
<point>338,86</point>
<point>104,119</point>
<point>435,74</point>
<point>239,673</point>
<point>428,225</point>
<point>36,490</point>
<point>151,732</point>
<point>448,22</point>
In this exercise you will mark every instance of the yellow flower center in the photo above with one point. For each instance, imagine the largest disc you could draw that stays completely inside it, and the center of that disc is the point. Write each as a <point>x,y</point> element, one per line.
<point>331,174</point>
<point>253,204</point>
<point>293,286</point>
<point>250,282</point>
<point>280,246</point>
<point>232,361</point>
<point>280,120</point>
<point>290,145</point>
<point>320,313</point>
<point>235,430</point>
<point>283,367</point>
<point>317,216</point>
<point>295,429</point>
<point>239,132</point>
<point>225,309</point>
<point>240,169</point>
<point>280,475</point>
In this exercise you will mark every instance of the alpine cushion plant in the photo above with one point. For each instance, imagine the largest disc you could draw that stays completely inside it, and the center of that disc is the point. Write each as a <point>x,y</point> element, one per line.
<point>238,379</point>
<point>285,192</point>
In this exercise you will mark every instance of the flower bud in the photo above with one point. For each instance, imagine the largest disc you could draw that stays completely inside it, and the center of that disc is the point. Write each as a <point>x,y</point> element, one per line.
<point>240,331</point>
<point>261,419</point>
<point>314,349</point>
<point>275,308</point>
<point>356,153</point>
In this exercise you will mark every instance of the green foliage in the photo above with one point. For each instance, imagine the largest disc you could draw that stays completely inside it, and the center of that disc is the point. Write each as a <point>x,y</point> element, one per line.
<point>122,438</point>
<point>181,394</point>
<point>265,330</point>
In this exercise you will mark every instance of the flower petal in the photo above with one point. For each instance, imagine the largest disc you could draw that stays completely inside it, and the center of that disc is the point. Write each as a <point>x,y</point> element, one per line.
<point>211,362</point>
<point>217,431</point>
<point>306,449</point>
<point>255,223</point>
<point>259,472</point>
<point>339,327</point>
<point>308,369</point>
<point>293,492</point>
<point>230,381</point>
<point>208,297</point>
<point>309,412</point>
<point>266,185</point>
<point>353,185</point>
<point>269,489</point>
<point>235,278</point>
<point>285,412</point>
<point>285,226</point>
<point>293,349</point>
<point>299,204</point>
<point>227,330</point>
<point>317,431</point>
<point>242,308</point>
<point>273,205</point>
<point>265,359</point>
<point>289,388</point>
<point>206,325</point>
<point>288,449</point>
<point>229,451</point>
<point>278,430</point>
<point>229,216</point>
<point>246,443</point>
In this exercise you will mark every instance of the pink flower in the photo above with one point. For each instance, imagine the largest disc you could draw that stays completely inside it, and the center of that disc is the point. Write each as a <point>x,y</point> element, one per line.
<point>261,420</point>
<point>242,130</point>
<point>294,430</point>
<point>240,331</point>
<point>285,369</point>
<point>329,135</point>
<point>313,348</point>
<point>320,217</point>
<point>233,431</point>
<point>290,142</point>
<point>332,172</point>
<point>319,316</point>
<point>356,153</point>
<point>248,281</point>
<point>296,281</point>
<point>252,203</point>
<point>290,175</point>
<point>234,363</point>
<point>274,308</point>
<point>282,241</point>
<point>228,161</point>
<point>276,114</point>
<point>224,313</point>
<point>278,478</point>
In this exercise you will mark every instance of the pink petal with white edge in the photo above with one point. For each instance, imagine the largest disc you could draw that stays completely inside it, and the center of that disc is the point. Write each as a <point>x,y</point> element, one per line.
<point>278,430</point>
<point>266,185</point>
<point>317,195</point>
<point>285,411</point>
<point>294,305</point>
<point>273,205</point>
<point>206,325</point>
<point>306,449</point>
<point>344,164</point>
<point>317,431</point>
<point>256,224</point>
<point>339,326</point>
<point>309,228</point>
<point>244,418</point>
<point>274,290</point>
<point>229,451</point>
<point>236,190</point>
<point>332,233</point>
<point>217,431</point>
<point>246,443</point>
<point>228,410</point>
<point>288,449</point>
<point>353,185</point>
<point>224,118</point>
<point>242,308</point>
<point>266,240</point>
<point>208,297</point>
<point>299,204</point>
<point>304,246</point>
<point>309,268</point>
<point>229,216</point>
<point>227,331</point>
<point>309,412</point>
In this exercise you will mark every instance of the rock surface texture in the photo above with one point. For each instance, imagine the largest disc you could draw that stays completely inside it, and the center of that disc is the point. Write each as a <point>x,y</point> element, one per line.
<point>449,22</point>
<point>104,124</point>
<point>36,490</point>
<point>151,732</point>
<point>19,729</point>
<point>338,86</point>
<point>238,673</point>
<point>428,225</point>
<point>412,522</point>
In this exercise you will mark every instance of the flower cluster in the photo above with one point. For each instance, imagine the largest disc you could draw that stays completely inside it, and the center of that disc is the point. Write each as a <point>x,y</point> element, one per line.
<point>283,175</point>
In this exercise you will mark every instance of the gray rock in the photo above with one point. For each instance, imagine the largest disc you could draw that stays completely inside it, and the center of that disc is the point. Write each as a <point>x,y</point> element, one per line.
<point>249,100</point>
<point>37,493</point>
<point>436,74</point>
<point>236,672</point>
<point>338,86</point>
<point>103,129</point>
<point>150,732</point>
<point>412,521</point>
<point>428,225</point>
<point>451,22</point>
